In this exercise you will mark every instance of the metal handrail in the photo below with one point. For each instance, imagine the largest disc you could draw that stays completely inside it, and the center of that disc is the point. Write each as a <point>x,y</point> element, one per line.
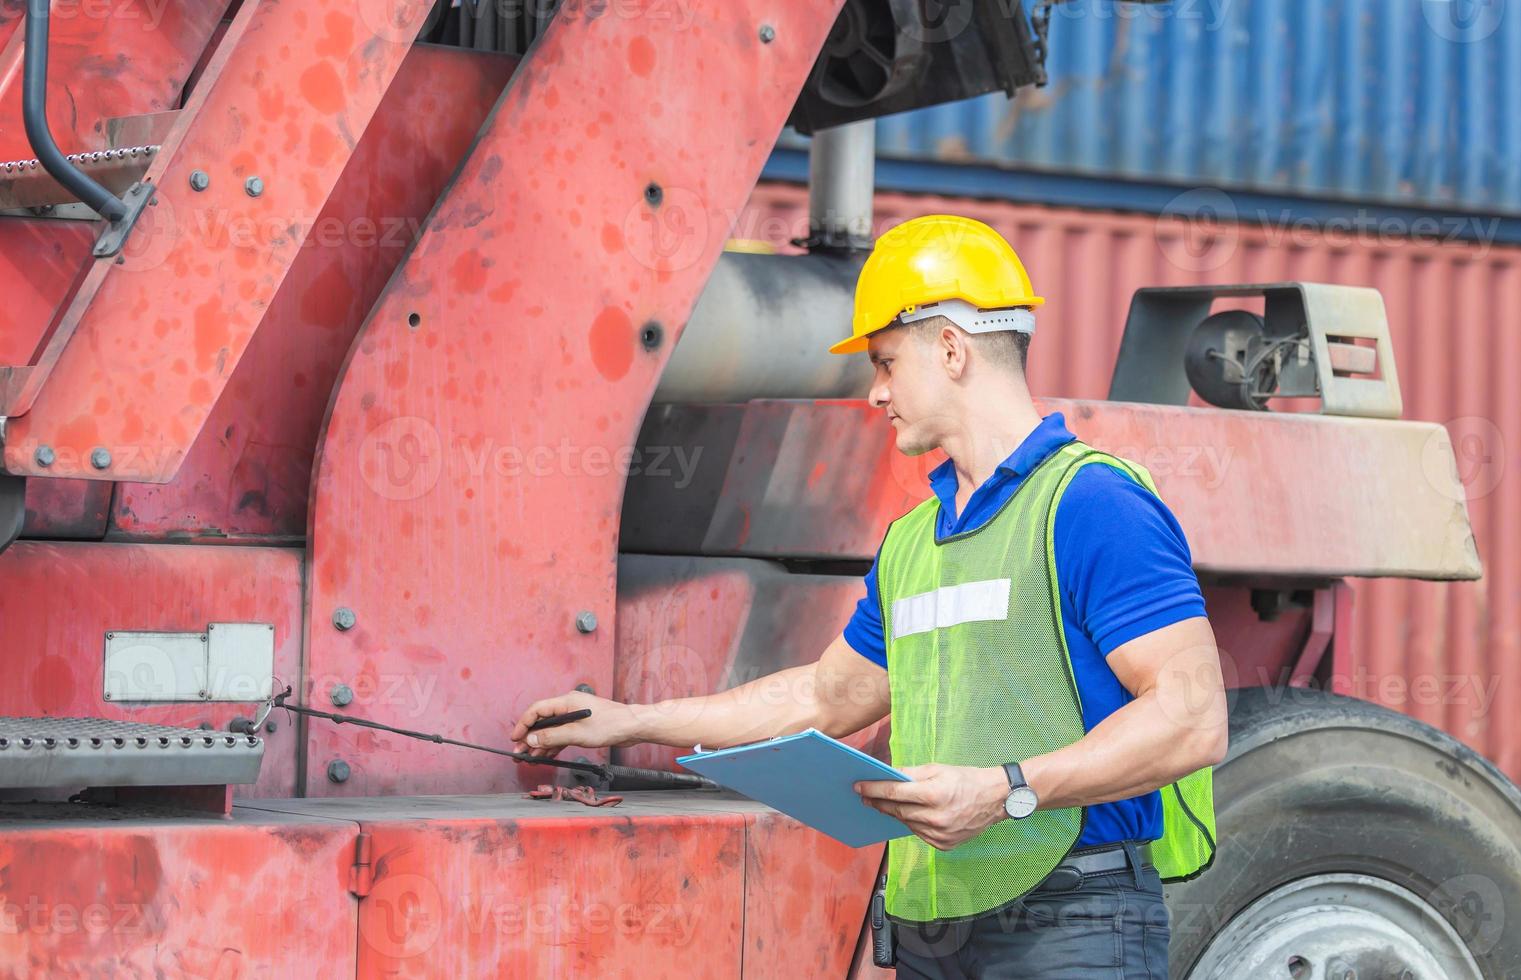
<point>34,116</point>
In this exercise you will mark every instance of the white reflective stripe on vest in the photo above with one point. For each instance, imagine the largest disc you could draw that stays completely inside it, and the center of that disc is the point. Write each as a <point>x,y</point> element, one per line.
<point>950,605</point>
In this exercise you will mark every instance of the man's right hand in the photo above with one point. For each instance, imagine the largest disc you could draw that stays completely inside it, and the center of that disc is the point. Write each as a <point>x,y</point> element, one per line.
<point>611,723</point>
<point>841,693</point>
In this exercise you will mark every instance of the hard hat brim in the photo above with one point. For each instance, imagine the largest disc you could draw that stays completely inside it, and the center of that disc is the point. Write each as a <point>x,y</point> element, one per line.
<point>851,345</point>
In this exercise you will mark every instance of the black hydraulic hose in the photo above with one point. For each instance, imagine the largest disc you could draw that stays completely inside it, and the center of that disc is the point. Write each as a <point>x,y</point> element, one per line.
<point>35,116</point>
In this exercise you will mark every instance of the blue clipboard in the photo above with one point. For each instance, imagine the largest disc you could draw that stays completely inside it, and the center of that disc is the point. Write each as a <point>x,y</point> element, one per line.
<point>808,777</point>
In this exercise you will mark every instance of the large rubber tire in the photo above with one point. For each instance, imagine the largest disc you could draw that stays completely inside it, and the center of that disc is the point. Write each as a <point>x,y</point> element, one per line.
<point>1316,784</point>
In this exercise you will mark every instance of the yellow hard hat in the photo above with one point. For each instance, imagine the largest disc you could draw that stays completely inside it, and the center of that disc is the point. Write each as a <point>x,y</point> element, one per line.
<point>932,259</point>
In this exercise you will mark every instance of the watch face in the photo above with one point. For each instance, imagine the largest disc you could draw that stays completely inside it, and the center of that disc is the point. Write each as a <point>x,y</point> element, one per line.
<point>1020,802</point>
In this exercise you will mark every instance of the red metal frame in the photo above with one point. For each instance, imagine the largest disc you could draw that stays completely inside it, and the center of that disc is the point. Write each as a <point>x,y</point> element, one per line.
<point>69,509</point>
<point>665,885</point>
<point>207,264</point>
<point>249,472</point>
<point>58,600</point>
<point>690,626</point>
<point>805,899</point>
<point>89,78</point>
<point>668,884</point>
<point>169,895</point>
<point>536,311</point>
<point>206,799</point>
<point>1265,495</point>
<point>10,20</point>
<point>40,261</point>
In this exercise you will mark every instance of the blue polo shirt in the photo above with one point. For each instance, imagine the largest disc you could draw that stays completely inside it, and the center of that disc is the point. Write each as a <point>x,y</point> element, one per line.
<point>1124,569</point>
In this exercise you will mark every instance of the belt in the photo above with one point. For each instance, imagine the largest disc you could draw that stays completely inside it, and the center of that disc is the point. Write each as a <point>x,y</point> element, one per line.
<point>1078,865</point>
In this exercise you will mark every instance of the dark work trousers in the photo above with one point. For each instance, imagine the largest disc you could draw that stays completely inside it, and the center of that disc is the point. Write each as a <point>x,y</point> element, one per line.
<point>1111,927</point>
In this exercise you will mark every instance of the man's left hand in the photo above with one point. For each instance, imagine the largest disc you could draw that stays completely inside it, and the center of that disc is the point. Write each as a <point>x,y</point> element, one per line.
<point>944,805</point>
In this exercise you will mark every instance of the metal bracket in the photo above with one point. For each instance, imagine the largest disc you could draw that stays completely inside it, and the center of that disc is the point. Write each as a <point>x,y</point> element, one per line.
<point>12,508</point>
<point>362,871</point>
<point>115,236</point>
<point>1350,379</point>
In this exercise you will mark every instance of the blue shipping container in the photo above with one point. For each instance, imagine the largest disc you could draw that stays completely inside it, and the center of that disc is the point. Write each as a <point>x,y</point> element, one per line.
<point>1414,102</point>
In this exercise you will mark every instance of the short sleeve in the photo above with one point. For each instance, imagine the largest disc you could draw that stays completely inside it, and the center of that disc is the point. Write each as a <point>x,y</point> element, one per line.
<point>1122,560</point>
<point>864,631</point>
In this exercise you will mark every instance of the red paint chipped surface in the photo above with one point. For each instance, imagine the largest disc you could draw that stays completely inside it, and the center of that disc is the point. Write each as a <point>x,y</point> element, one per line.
<point>339,40</point>
<point>468,273</point>
<point>210,333</point>
<point>612,343</point>
<point>322,87</point>
<point>641,56</point>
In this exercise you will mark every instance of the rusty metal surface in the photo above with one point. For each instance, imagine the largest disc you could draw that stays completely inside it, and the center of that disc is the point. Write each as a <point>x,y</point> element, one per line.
<point>248,474</point>
<point>95,891</point>
<point>1254,652</point>
<point>150,128</point>
<point>805,899</point>
<point>58,600</point>
<point>671,884</point>
<point>551,896</point>
<point>1443,653</point>
<point>669,503</point>
<point>39,262</point>
<point>174,318</point>
<point>10,19</point>
<point>467,491</point>
<point>689,626</point>
<point>677,884</point>
<point>1258,494</point>
<point>109,59</point>
<point>67,509</point>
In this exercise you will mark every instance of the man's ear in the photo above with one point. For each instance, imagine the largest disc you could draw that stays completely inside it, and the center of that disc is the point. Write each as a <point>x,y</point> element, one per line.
<point>953,350</point>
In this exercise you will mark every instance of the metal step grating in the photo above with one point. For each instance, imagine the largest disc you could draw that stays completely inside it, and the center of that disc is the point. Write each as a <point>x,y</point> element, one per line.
<point>67,752</point>
<point>24,185</point>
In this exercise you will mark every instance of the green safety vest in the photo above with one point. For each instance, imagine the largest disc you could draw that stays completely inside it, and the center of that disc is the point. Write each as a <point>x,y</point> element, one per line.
<point>980,675</point>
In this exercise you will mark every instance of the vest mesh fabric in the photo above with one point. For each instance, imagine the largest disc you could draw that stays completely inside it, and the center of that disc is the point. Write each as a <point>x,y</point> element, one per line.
<point>975,684</point>
<point>1187,845</point>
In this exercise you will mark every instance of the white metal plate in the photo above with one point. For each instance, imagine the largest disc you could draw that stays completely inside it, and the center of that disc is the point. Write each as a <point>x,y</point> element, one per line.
<point>145,666</point>
<point>240,661</point>
<point>227,662</point>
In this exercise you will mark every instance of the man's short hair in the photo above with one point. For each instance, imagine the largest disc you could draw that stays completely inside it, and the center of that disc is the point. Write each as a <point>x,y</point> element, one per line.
<point>1006,348</point>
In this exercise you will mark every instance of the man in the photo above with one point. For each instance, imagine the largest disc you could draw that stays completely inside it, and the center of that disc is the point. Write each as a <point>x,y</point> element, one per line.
<point>1035,628</point>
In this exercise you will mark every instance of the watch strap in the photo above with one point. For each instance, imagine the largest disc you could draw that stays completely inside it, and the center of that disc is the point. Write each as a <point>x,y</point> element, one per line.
<point>1016,775</point>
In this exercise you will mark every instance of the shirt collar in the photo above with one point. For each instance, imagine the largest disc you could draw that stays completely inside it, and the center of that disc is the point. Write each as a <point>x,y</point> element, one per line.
<point>1046,438</point>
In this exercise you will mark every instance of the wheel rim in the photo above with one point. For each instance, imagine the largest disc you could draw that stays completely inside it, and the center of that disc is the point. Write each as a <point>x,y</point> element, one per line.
<point>1338,927</point>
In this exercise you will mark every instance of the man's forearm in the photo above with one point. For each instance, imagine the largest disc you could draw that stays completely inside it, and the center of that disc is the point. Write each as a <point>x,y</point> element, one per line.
<point>777,704</point>
<point>1139,748</point>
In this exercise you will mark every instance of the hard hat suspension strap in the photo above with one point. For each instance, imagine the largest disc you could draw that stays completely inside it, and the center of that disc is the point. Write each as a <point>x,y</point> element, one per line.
<point>971,319</point>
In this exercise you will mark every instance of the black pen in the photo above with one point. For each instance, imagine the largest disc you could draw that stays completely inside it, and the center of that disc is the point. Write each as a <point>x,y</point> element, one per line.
<point>565,719</point>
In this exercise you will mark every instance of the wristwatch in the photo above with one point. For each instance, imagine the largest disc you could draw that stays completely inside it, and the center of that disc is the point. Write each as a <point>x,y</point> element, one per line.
<point>1021,801</point>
